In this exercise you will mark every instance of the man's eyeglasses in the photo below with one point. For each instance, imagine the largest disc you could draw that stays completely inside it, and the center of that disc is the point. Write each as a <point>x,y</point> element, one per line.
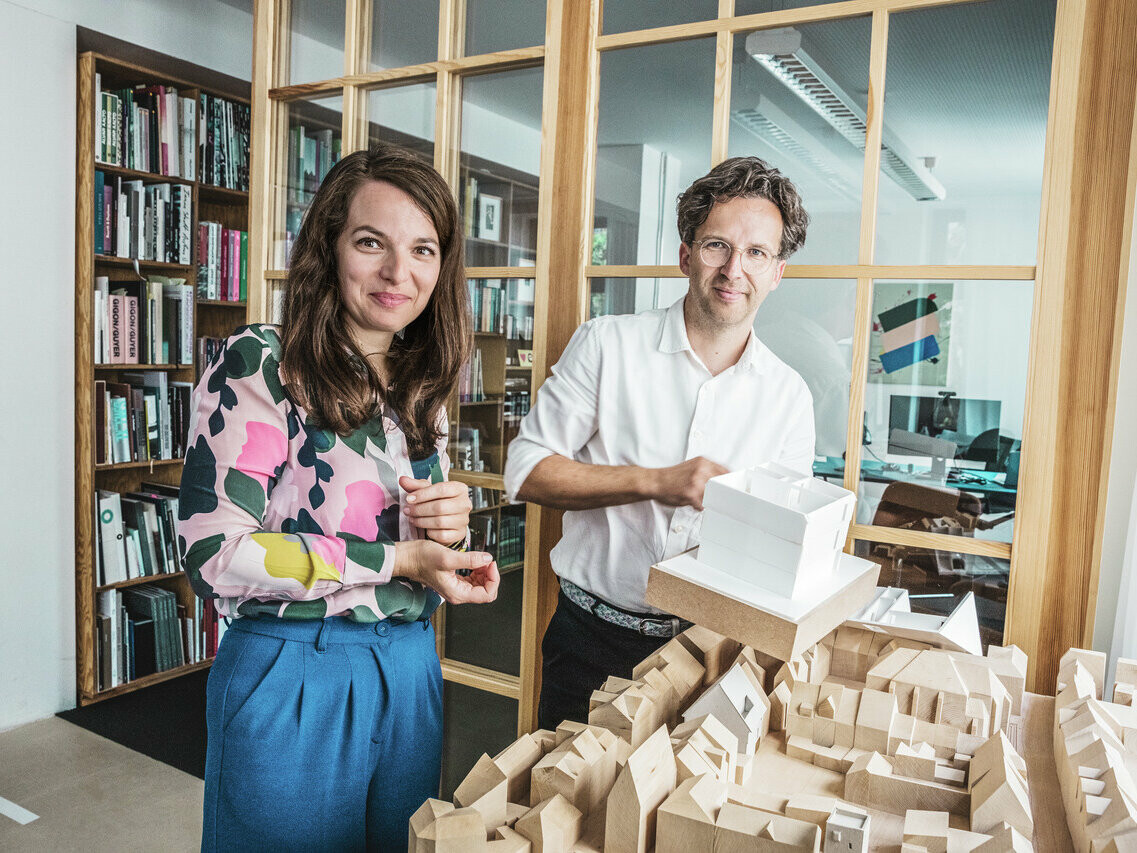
<point>717,253</point>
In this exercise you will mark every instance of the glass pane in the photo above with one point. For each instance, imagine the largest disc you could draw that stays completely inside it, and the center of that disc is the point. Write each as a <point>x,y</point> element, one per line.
<point>494,386</point>
<point>937,581</point>
<point>944,406</point>
<point>775,115</point>
<point>632,295</point>
<point>314,137</point>
<point>489,635</point>
<point>473,722</point>
<point>404,116</point>
<point>654,139</point>
<point>620,17</point>
<point>966,97</point>
<point>499,180</point>
<point>808,324</point>
<point>316,42</point>
<point>493,25</point>
<point>403,32</point>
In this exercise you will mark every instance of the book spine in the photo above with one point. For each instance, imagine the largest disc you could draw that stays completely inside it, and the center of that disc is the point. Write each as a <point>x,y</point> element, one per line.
<point>186,324</point>
<point>131,329</point>
<point>243,287</point>
<point>98,201</point>
<point>117,327</point>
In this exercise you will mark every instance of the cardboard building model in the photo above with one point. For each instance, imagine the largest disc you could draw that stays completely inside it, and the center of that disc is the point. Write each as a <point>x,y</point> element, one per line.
<point>770,571</point>
<point>1095,752</point>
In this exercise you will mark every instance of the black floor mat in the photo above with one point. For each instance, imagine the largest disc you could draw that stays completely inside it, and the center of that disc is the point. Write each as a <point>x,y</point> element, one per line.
<point>165,721</point>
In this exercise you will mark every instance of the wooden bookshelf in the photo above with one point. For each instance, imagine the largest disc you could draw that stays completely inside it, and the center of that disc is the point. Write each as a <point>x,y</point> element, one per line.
<point>211,318</point>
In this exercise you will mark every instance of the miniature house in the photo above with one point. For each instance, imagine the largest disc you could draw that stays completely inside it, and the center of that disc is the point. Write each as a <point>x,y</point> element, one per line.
<point>775,527</point>
<point>846,831</point>
<point>737,701</point>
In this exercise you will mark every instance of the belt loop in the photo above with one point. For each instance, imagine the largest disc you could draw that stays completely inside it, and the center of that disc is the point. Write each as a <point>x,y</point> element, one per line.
<point>322,637</point>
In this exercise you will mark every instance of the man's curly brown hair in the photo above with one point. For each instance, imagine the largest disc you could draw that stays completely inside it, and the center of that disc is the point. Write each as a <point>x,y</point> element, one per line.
<point>744,177</point>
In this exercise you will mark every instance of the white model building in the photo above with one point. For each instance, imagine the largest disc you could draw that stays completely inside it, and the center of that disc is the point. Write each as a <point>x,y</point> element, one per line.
<point>769,571</point>
<point>891,611</point>
<point>775,527</point>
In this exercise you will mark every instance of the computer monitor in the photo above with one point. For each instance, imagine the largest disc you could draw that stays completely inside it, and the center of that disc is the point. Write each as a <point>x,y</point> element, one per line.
<point>944,417</point>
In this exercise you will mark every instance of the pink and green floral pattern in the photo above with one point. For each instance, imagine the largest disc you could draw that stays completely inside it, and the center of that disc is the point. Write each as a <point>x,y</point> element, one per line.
<point>279,517</point>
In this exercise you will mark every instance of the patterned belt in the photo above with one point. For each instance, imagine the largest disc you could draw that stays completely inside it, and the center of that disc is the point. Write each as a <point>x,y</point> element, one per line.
<point>646,624</point>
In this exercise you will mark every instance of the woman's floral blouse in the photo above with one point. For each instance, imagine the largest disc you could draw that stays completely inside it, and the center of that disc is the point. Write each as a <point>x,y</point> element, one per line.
<point>279,517</point>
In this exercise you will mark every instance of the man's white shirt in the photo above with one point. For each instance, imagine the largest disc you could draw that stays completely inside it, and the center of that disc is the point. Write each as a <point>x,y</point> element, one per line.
<point>630,390</point>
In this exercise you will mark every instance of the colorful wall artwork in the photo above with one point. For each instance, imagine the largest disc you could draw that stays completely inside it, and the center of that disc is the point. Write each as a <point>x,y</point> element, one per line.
<point>911,333</point>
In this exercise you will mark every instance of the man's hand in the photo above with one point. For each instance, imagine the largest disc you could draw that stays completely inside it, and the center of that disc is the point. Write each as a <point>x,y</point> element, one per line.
<point>436,566</point>
<point>442,510</point>
<point>684,484</point>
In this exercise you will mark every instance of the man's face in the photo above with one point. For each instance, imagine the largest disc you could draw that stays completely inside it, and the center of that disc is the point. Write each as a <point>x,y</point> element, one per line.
<point>726,295</point>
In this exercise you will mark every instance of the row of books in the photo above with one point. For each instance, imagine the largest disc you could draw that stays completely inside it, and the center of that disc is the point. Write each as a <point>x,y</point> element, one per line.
<point>471,385</point>
<point>486,300</point>
<point>511,542</point>
<point>145,629</point>
<point>311,155</point>
<point>207,348</point>
<point>150,222</point>
<point>506,541</point>
<point>143,321</point>
<point>515,405</point>
<point>483,498</point>
<point>147,128</point>
<point>141,417</point>
<point>224,139</point>
<point>223,262</point>
<point>467,450</point>
<point>137,533</point>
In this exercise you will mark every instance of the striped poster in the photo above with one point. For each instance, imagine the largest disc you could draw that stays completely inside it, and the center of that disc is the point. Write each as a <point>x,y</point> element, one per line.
<point>908,334</point>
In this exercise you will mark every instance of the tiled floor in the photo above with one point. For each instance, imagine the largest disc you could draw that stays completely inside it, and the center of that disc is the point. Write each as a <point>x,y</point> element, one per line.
<point>92,794</point>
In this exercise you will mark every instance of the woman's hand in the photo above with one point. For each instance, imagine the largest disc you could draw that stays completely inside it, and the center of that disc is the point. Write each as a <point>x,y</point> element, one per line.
<point>441,510</point>
<point>435,566</point>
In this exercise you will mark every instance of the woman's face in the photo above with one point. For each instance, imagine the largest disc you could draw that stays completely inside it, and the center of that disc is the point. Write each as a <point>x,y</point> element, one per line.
<point>389,258</point>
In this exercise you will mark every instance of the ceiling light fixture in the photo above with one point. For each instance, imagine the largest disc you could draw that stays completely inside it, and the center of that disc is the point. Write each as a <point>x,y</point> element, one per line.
<point>779,51</point>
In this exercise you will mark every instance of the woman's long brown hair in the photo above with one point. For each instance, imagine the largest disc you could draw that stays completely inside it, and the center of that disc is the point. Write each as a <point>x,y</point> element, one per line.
<point>324,368</point>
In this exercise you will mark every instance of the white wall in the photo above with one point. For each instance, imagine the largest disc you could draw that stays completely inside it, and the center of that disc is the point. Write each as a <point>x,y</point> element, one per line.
<point>37,98</point>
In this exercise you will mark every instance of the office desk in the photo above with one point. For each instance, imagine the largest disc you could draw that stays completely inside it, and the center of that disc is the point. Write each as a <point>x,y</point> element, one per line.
<point>983,483</point>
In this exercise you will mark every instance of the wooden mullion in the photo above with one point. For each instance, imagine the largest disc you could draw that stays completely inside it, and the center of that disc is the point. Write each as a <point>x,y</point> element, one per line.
<point>568,151</point>
<point>1072,366</point>
<point>265,139</point>
<point>357,50</point>
<point>931,541</point>
<point>499,272</point>
<point>878,58</point>
<point>765,20</point>
<point>1130,209</point>
<point>720,122</point>
<point>843,271</point>
<point>481,678</point>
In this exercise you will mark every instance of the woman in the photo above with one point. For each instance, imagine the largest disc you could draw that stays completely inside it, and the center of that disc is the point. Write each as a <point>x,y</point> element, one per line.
<point>315,512</point>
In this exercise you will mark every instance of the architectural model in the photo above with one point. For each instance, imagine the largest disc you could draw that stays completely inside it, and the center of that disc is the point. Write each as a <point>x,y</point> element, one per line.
<point>666,762</point>
<point>770,571</point>
<point>1095,751</point>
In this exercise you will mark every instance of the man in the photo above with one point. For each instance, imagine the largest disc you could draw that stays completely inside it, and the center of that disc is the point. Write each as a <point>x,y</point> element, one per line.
<point>642,410</point>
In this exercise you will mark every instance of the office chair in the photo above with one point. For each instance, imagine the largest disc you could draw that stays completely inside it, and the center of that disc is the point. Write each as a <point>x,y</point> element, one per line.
<point>990,448</point>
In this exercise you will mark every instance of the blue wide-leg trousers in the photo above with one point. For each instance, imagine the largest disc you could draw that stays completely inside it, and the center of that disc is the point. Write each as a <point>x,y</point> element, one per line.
<point>322,734</point>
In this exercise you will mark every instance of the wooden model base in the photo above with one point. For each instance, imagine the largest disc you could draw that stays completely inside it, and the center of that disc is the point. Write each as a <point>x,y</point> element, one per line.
<point>754,616</point>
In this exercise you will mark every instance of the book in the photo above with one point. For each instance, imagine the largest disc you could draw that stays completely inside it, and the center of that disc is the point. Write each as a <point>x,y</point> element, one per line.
<point>111,537</point>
